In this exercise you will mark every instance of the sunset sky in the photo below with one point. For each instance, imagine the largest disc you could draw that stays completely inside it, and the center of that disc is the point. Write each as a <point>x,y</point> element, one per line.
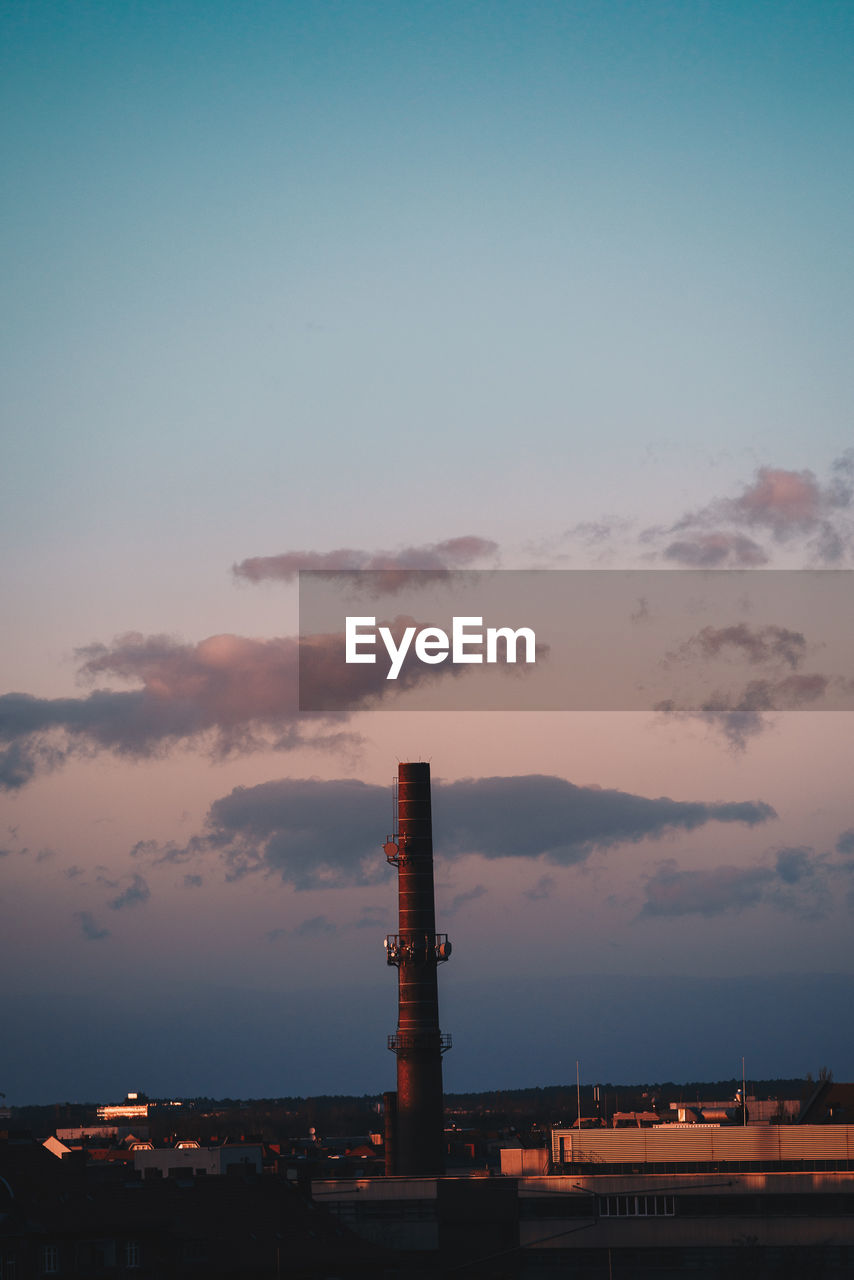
<point>414,286</point>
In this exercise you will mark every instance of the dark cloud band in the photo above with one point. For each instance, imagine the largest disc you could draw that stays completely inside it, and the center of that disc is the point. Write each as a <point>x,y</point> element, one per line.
<point>316,834</point>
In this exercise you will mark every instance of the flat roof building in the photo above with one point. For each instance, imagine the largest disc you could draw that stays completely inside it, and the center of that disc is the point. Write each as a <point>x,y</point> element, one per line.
<point>703,1147</point>
<point>757,1201</point>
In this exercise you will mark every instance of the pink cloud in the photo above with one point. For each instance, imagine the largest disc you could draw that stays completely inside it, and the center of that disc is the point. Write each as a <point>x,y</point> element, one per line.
<point>784,501</point>
<point>227,694</point>
<point>788,505</point>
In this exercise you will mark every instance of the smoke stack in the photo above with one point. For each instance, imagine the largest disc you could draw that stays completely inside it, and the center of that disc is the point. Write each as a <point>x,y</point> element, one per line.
<point>416,949</point>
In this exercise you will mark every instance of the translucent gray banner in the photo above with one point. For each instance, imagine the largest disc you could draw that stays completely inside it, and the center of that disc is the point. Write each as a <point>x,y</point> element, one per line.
<point>708,642</point>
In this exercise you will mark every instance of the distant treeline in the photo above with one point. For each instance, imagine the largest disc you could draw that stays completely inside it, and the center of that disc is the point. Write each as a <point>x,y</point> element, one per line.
<point>272,1119</point>
<point>665,1092</point>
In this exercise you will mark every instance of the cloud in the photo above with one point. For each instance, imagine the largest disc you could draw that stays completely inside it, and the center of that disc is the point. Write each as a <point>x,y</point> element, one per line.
<point>671,892</point>
<point>461,899</point>
<point>90,930</point>
<point>315,834</point>
<point>845,843</point>
<point>787,506</point>
<point>401,568</point>
<point>777,508</point>
<point>716,550</point>
<point>371,918</point>
<point>742,716</point>
<point>769,644</point>
<point>743,713</point>
<point>793,865</point>
<point>227,689</point>
<point>134,895</point>
<point>542,889</point>
<point>150,849</point>
<point>314,927</point>
<point>226,694</point>
<point>597,541</point>
<point>830,545</point>
<point>785,502</point>
<point>538,815</point>
<point>20,761</point>
<point>193,882</point>
<point>598,536</point>
<point>798,882</point>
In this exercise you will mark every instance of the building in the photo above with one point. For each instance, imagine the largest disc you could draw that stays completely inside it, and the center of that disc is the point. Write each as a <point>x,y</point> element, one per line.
<point>829,1103</point>
<point>188,1159</point>
<point>753,1201</point>
<point>134,1107</point>
<point>759,1111</point>
<point>61,1217</point>
<point>705,1148</point>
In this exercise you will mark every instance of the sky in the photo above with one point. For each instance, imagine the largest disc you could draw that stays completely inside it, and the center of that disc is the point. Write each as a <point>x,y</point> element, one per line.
<point>414,286</point>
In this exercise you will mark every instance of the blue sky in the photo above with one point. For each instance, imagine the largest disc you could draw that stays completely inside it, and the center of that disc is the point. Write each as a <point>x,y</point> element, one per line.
<point>286,276</point>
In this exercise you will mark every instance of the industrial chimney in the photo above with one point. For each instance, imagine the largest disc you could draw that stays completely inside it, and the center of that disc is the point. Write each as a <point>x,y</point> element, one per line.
<point>415,1138</point>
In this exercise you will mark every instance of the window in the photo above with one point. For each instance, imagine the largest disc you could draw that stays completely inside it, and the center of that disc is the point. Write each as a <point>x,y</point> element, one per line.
<point>50,1259</point>
<point>132,1255</point>
<point>636,1206</point>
